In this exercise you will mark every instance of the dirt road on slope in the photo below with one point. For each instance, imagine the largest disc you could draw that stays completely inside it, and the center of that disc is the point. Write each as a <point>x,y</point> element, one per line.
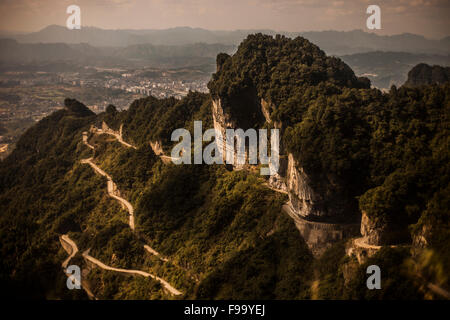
<point>100,264</point>
<point>111,187</point>
<point>107,130</point>
<point>73,249</point>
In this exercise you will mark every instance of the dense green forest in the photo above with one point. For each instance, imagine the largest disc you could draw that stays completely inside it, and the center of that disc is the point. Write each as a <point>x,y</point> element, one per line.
<point>223,232</point>
<point>390,150</point>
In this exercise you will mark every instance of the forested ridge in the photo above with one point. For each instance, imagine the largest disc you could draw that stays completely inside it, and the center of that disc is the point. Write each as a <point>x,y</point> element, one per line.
<point>223,232</point>
<point>387,151</point>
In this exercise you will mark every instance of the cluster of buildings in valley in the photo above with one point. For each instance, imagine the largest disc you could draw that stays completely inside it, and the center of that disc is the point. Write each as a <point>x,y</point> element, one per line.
<point>29,96</point>
<point>162,85</point>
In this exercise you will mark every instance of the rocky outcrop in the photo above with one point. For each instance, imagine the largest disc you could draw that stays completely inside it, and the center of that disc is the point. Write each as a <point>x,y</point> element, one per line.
<point>305,204</point>
<point>278,180</point>
<point>303,198</point>
<point>292,178</point>
<point>157,148</point>
<point>379,233</point>
<point>266,108</point>
<point>370,230</point>
<point>420,238</point>
<point>222,122</point>
<point>265,111</point>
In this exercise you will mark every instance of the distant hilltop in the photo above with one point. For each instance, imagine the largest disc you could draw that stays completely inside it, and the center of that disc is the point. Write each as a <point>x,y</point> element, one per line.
<point>423,74</point>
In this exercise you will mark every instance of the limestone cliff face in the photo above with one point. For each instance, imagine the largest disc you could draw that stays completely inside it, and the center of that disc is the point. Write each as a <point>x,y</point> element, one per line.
<point>265,109</point>
<point>278,180</point>
<point>290,177</point>
<point>303,198</point>
<point>420,239</point>
<point>157,148</point>
<point>305,203</point>
<point>222,121</point>
<point>370,230</point>
<point>378,233</point>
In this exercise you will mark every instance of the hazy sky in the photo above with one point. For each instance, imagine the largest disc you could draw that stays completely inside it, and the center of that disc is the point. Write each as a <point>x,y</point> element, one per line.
<point>427,17</point>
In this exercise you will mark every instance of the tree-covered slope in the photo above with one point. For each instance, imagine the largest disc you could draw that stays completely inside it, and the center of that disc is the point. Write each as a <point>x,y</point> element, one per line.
<point>389,150</point>
<point>221,233</point>
<point>198,217</point>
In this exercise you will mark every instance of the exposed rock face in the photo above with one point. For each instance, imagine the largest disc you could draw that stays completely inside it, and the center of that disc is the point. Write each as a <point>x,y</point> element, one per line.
<point>290,176</point>
<point>222,121</point>
<point>380,234</point>
<point>301,195</point>
<point>420,238</point>
<point>305,204</point>
<point>353,249</point>
<point>265,109</point>
<point>157,148</point>
<point>278,180</point>
<point>371,231</point>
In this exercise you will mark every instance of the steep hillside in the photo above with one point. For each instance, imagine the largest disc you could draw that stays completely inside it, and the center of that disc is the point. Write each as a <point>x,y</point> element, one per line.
<point>148,229</point>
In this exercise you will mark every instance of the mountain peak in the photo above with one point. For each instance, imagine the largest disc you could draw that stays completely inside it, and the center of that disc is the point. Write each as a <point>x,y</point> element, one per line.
<point>77,107</point>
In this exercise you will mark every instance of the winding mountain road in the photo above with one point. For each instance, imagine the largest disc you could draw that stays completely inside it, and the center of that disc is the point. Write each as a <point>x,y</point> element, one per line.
<point>73,249</point>
<point>113,193</point>
<point>100,264</point>
<point>107,130</point>
<point>154,252</point>
<point>111,188</point>
<point>361,242</point>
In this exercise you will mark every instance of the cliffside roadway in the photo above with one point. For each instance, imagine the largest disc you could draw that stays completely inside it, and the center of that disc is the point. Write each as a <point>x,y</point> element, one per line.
<point>111,132</point>
<point>358,242</point>
<point>72,249</point>
<point>361,242</point>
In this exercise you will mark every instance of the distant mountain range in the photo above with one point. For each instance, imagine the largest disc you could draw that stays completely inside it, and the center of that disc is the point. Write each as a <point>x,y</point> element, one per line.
<point>332,42</point>
<point>160,55</point>
<point>385,69</point>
